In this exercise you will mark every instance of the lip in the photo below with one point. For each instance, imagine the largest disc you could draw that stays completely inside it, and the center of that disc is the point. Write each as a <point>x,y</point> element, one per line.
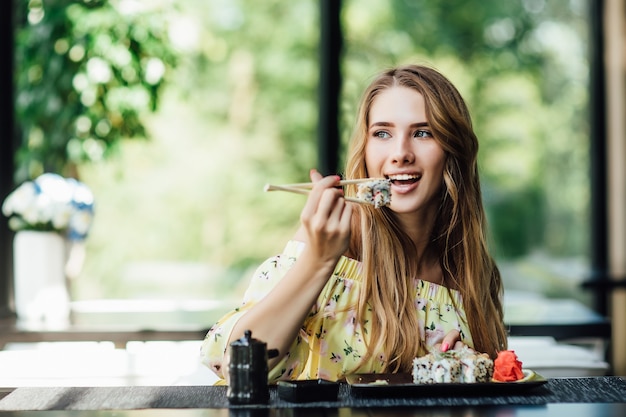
<point>404,188</point>
<point>403,173</point>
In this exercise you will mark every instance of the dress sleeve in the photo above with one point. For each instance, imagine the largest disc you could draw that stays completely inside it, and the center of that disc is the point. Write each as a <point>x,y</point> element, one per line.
<point>266,276</point>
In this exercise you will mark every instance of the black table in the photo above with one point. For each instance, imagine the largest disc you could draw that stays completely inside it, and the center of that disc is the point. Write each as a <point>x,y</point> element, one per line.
<point>549,410</point>
<point>597,396</point>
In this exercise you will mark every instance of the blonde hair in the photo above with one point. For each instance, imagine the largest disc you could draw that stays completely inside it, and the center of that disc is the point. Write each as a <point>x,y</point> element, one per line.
<point>458,237</point>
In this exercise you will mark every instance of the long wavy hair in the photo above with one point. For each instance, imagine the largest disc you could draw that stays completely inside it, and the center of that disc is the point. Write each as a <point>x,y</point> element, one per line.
<point>458,236</point>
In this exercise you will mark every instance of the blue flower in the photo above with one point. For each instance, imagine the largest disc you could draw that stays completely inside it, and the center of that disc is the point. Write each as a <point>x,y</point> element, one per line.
<point>51,203</point>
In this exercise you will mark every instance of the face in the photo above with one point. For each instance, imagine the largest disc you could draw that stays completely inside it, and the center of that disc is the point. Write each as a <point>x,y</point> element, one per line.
<point>401,147</point>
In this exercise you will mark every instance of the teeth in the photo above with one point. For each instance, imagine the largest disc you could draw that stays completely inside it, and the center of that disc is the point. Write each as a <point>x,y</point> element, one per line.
<point>403,177</point>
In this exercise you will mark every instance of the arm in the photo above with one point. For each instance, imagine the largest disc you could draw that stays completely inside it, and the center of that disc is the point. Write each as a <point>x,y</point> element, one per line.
<point>277,318</point>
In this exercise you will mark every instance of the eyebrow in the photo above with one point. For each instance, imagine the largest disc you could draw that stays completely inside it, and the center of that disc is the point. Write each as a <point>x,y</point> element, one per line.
<point>387,124</point>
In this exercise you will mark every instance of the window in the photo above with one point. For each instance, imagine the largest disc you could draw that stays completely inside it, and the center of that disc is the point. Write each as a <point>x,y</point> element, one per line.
<point>523,68</point>
<point>182,216</point>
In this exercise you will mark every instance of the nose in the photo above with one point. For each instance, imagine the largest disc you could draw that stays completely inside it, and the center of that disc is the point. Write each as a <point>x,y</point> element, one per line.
<point>402,152</point>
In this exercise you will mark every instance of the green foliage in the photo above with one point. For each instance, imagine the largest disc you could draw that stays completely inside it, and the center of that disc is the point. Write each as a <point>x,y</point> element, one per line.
<point>239,110</point>
<point>256,72</point>
<point>522,67</point>
<point>85,74</point>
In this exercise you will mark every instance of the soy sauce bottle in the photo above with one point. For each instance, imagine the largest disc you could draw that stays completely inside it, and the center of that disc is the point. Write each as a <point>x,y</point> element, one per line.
<point>248,370</point>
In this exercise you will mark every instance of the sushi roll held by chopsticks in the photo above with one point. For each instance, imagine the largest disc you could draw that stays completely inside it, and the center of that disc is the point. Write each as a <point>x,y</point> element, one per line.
<point>373,191</point>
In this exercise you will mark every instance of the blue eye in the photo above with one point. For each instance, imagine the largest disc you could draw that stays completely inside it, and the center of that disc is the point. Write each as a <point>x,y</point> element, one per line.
<point>423,134</point>
<point>381,134</point>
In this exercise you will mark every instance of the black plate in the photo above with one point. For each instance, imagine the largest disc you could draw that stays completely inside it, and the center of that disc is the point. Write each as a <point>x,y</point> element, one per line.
<point>312,390</point>
<point>401,385</point>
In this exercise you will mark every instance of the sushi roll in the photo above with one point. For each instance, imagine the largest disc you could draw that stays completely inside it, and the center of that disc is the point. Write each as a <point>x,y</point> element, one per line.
<point>464,366</point>
<point>376,192</point>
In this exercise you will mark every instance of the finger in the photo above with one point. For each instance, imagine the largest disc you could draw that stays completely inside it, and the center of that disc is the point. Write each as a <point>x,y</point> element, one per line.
<point>321,183</point>
<point>338,220</point>
<point>346,218</point>
<point>450,340</point>
<point>326,188</point>
<point>320,202</point>
<point>459,345</point>
<point>340,215</point>
<point>315,175</point>
<point>329,208</point>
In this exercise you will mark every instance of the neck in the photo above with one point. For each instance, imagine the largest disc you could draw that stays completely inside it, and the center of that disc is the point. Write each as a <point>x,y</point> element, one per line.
<point>419,231</point>
<point>419,228</point>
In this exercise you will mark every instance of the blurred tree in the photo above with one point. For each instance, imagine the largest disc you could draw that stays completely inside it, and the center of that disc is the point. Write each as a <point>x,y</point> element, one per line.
<point>254,80</point>
<point>240,111</point>
<point>522,67</point>
<point>86,71</point>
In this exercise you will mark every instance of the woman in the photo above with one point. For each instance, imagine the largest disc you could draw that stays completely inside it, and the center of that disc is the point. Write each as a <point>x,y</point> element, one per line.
<point>361,289</point>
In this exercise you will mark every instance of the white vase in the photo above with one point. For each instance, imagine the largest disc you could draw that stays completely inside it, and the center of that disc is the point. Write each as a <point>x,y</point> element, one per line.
<point>41,294</point>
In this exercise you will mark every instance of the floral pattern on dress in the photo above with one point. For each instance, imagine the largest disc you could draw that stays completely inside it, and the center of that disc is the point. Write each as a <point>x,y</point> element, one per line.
<point>331,342</point>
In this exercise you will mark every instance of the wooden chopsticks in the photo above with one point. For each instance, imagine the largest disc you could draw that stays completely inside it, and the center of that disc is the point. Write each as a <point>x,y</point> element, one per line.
<point>305,188</point>
<point>342,182</point>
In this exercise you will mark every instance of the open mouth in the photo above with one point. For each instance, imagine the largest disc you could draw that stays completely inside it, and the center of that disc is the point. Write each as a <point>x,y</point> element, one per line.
<point>404,179</point>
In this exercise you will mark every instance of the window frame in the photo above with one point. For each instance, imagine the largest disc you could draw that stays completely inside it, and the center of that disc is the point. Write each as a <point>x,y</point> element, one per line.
<point>331,40</point>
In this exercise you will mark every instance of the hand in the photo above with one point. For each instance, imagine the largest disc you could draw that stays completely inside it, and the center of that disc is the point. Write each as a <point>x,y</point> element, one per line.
<point>326,219</point>
<point>451,341</point>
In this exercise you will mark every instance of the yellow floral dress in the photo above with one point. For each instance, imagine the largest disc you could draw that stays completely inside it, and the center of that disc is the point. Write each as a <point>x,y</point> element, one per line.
<point>330,344</point>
